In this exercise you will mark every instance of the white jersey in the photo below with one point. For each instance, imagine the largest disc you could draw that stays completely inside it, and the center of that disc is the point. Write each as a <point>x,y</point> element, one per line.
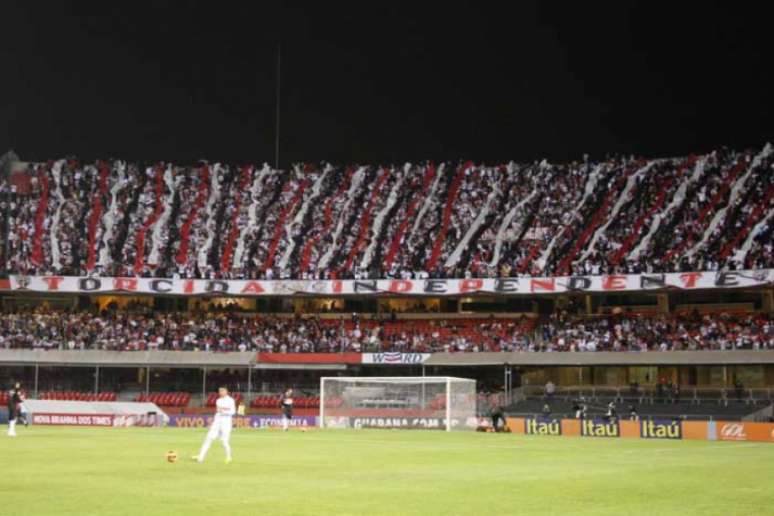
<point>220,427</point>
<point>225,407</point>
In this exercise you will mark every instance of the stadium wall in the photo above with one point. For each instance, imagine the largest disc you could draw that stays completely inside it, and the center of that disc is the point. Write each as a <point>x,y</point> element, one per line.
<point>644,429</point>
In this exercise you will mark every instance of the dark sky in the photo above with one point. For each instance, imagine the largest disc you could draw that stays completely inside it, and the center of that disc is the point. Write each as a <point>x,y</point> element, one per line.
<point>188,80</point>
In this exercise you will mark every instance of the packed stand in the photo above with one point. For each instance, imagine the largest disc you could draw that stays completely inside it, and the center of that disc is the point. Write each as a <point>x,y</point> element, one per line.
<point>226,332</point>
<point>687,332</point>
<point>123,331</point>
<point>619,215</point>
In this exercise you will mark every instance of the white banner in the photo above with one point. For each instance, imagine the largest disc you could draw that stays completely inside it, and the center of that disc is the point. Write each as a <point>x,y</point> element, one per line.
<point>97,419</point>
<point>73,419</point>
<point>95,413</point>
<point>425,287</point>
<point>395,358</point>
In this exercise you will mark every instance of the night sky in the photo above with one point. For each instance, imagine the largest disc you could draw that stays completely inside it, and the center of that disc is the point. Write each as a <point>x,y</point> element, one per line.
<point>183,81</point>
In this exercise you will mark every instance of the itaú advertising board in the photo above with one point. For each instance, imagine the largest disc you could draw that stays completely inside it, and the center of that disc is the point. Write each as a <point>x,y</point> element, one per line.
<point>418,287</point>
<point>644,429</point>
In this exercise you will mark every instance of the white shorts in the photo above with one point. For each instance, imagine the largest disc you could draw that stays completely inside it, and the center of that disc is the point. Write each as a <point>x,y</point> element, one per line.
<point>221,427</point>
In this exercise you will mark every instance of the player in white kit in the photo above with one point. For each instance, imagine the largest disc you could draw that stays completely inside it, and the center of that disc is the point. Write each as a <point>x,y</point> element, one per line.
<point>225,408</point>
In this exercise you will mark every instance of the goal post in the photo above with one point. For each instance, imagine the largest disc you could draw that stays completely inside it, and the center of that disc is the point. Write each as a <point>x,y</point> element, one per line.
<point>419,402</point>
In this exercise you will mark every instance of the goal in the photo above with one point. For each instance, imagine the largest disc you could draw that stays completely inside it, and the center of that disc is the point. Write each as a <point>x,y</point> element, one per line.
<point>418,402</point>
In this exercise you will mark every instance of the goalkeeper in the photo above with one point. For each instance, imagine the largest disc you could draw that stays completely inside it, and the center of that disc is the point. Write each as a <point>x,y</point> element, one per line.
<point>498,419</point>
<point>286,404</point>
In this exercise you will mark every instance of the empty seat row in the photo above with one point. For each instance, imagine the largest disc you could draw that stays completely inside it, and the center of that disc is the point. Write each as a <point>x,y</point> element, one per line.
<point>166,399</point>
<point>273,401</point>
<point>77,396</point>
<point>213,397</point>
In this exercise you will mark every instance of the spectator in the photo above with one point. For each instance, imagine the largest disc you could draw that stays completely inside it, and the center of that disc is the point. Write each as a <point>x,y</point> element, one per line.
<point>550,389</point>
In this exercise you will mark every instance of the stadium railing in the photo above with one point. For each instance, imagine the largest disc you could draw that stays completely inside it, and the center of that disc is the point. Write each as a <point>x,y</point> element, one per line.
<point>651,394</point>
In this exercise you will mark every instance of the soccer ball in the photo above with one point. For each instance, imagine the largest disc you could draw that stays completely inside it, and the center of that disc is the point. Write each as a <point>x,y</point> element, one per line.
<point>171,456</point>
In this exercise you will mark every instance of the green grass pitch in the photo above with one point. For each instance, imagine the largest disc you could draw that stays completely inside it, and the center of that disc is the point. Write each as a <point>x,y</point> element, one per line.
<point>74,471</point>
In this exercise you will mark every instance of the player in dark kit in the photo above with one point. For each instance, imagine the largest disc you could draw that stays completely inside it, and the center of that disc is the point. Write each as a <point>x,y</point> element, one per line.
<point>286,404</point>
<point>498,419</point>
<point>14,406</point>
<point>612,413</point>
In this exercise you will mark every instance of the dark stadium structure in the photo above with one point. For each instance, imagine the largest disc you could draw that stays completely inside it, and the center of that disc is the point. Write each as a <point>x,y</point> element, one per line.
<point>642,282</point>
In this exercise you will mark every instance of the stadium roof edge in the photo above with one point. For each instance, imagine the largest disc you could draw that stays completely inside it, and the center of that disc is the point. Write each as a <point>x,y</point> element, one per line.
<point>197,359</point>
<point>91,358</point>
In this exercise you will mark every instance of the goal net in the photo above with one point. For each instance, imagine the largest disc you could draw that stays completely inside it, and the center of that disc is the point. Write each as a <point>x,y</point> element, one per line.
<point>420,402</point>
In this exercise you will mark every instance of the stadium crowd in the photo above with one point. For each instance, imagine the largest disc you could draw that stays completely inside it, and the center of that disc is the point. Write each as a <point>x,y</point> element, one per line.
<point>140,331</point>
<point>114,218</point>
<point>79,330</point>
<point>658,333</point>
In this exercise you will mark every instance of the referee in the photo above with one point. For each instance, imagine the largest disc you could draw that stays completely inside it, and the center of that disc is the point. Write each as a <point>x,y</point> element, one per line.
<point>14,404</point>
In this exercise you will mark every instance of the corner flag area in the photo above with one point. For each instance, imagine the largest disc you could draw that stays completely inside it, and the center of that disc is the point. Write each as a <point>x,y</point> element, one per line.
<point>108,471</point>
